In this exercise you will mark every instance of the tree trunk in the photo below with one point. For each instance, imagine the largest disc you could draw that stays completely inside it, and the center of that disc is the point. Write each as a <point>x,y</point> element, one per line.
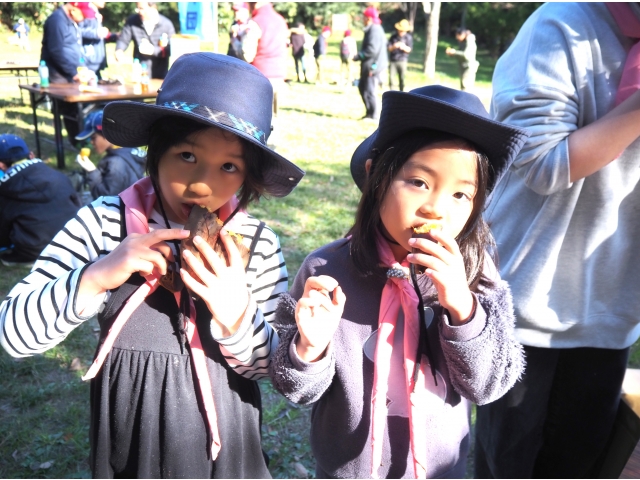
<point>432,12</point>
<point>463,20</point>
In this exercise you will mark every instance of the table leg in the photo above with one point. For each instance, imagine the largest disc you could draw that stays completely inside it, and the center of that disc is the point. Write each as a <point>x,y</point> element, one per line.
<point>32,98</point>
<point>57,126</point>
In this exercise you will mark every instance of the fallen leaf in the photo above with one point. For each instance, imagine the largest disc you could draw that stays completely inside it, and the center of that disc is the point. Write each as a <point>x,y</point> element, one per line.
<point>300,469</point>
<point>46,465</point>
<point>15,455</point>
<point>76,365</point>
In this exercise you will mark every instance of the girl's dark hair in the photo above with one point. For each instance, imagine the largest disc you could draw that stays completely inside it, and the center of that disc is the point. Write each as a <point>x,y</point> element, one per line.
<point>475,239</point>
<point>172,130</point>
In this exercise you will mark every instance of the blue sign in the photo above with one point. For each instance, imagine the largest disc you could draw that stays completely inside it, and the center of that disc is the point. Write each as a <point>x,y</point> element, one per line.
<point>196,18</point>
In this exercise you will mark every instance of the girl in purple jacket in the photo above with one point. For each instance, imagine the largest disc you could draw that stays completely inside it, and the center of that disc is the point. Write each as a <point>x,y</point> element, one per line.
<point>393,333</point>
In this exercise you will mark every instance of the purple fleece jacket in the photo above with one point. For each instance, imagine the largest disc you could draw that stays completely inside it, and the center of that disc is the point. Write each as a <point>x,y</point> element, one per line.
<point>476,362</point>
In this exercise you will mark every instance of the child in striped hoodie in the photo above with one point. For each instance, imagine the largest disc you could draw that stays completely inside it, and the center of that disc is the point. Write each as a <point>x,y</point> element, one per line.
<point>173,390</point>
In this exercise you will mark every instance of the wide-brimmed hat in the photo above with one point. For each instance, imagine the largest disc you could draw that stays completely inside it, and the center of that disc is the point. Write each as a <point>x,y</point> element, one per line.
<point>447,110</point>
<point>214,89</point>
<point>403,25</point>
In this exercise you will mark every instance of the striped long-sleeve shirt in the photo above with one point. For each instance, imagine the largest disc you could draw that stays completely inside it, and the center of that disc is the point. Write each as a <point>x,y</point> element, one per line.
<point>40,311</point>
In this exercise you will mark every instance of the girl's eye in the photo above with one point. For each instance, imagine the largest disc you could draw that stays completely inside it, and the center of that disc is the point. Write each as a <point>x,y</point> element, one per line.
<point>462,196</point>
<point>418,183</point>
<point>229,167</point>
<point>188,157</point>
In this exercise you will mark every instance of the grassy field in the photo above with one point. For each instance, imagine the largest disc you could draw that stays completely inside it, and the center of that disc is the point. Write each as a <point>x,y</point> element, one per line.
<point>44,404</point>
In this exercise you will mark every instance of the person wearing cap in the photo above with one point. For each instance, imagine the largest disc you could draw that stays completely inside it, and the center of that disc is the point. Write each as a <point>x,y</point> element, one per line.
<point>35,202</point>
<point>120,168</point>
<point>62,42</point>
<point>466,57</point>
<point>320,51</point>
<point>185,331</point>
<point>94,36</point>
<point>565,218</point>
<point>62,52</point>
<point>373,61</point>
<point>21,30</point>
<point>396,329</point>
<point>399,46</point>
<point>348,50</point>
<point>151,34</point>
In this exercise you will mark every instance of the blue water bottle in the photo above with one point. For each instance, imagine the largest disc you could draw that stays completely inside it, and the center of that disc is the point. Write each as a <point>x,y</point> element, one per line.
<point>43,71</point>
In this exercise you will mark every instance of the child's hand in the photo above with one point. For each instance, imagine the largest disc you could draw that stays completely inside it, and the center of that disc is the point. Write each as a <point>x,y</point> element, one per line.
<point>145,254</point>
<point>225,289</point>
<point>445,266</point>
<point>318,316</point>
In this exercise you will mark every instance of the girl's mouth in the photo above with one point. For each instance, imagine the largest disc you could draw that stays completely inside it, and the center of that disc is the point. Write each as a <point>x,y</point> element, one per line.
<point>186,209</point>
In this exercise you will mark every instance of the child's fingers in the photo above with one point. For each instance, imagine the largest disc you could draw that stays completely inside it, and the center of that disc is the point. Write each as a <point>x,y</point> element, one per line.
<point>213,259</point>
<point>323,300</point>
<point>449,243</point>
<point>192,284</point>
<point>163,234</point>
<point>198,266</point>
<point>339,298</point>
<point>321,283</point>
<point>165,250</point>
<point>232,249</point>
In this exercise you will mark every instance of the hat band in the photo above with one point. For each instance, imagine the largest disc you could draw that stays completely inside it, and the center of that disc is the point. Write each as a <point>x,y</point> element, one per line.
<point>220,117</point>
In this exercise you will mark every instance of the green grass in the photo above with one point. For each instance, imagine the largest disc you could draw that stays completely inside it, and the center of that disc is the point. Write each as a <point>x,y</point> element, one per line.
<point>44,406</point>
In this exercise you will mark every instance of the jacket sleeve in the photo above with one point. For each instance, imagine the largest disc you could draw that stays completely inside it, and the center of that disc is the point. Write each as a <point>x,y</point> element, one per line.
<point>89,29</point>
<point>248,351</point>
<point>40,311</point>
<point>64,57</point>
<point>124,39</point>
<point>534,89</point>
<point>109,177</point>
<point>483,357</point>
<point>299,381</point>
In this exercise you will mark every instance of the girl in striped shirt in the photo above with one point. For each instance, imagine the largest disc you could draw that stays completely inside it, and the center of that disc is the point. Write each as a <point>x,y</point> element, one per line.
<point>173,390</point>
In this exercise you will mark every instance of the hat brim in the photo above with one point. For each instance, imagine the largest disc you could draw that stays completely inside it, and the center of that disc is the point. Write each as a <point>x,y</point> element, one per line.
<point>83,135</point>
<point>405,112</point>
<point>128,124</point>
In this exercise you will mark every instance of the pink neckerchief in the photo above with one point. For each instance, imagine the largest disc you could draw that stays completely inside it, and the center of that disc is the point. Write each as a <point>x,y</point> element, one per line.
<point>139,200</point>
<point>398,293</point>
<point>630,26</point>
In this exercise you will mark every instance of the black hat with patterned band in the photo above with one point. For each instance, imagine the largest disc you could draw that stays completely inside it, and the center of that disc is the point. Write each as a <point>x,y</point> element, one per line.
<point>435,107</point>
<point>214,89</point>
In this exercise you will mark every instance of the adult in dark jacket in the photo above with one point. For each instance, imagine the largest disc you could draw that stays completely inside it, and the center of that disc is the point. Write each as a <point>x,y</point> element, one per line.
<point>118,170</point>
<point>373,58</point>
<point>150,32</point>
<point>62,43</point>
<point>35,202</point>
<point>62,51</point>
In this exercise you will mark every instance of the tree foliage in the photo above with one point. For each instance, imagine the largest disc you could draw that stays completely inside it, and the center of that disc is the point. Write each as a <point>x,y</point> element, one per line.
<point>495,24</point>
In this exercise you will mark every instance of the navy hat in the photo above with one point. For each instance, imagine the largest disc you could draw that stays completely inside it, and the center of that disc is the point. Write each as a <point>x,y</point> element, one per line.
<point>12,148</point>
<point>214,89</point>
<point>447,110</point>
<point>92,124</point>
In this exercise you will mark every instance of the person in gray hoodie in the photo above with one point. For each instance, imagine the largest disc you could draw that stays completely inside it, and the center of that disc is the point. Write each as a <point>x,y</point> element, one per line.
<point>565,218</point>
<point>392,337</point>
<point>119,168</point>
